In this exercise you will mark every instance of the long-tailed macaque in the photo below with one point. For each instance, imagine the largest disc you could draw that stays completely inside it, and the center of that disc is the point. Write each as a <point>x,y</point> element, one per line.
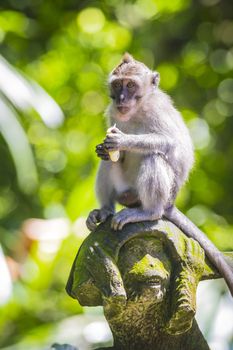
<point>156,156</point>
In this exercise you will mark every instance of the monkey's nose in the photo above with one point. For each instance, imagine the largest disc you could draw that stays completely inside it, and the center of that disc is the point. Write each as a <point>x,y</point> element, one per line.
<point>122,97</point>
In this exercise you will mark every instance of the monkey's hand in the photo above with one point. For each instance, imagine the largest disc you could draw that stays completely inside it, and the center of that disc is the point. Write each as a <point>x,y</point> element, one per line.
<point>102,152</point>
<point>98,215</point>
<point>116,140</point>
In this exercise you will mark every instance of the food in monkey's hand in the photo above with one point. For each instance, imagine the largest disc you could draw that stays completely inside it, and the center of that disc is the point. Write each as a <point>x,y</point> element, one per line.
<point>114,155</point>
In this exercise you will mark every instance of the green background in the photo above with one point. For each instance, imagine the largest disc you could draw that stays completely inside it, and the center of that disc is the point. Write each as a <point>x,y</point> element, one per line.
<point>47,157</point>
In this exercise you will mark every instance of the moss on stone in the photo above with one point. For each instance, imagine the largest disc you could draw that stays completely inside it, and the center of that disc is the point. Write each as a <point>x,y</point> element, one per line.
<point>145,276</point>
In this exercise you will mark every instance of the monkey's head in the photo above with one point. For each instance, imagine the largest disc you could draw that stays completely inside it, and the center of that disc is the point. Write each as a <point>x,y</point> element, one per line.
<point>130,83</point>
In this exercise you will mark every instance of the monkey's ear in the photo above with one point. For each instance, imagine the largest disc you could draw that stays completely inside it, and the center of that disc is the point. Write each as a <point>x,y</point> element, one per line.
<point>127,58</point>
<point>155,79</point>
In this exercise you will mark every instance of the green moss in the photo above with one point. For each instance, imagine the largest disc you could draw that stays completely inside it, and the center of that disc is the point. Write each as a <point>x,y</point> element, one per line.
<point>147,264</point>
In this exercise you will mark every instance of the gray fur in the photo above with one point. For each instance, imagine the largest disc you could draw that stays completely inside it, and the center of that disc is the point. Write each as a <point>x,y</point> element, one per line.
<point>156,158</point>
<point>157,152</point>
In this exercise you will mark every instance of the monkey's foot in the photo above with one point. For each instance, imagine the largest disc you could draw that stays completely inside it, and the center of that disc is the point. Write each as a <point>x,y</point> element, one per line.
<point>126,216</point>
<point>98,215</point>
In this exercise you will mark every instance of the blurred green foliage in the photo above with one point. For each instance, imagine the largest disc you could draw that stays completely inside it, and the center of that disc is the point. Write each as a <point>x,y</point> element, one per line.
<point>68,47</point>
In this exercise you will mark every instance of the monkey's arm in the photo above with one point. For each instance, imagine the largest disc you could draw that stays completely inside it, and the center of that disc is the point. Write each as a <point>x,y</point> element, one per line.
<point>214,255</point>
<point>145,143</point>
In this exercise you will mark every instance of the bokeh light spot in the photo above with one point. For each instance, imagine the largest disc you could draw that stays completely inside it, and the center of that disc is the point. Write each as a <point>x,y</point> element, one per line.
<point>54,161</point>
<point>199,131</point>
<point>225,109</point>
<point>198,214</point>
<point>91,20</point>
<point>209,3</point>
<point>194,54</point>
<point>76,141</point>
<point>223,32</point>
<point>117,37</point>
<point>212,114</point>
<point>171,6</point>
<point>93,102</point>
<point>147,8</point>
<point>188,114</point>
<point>219,61</point>
<point>169,76</point>
<point>225,90</point>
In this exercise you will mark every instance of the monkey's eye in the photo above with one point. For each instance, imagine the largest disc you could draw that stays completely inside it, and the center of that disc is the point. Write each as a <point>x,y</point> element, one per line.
<point>117,84</point>
<point>130,85</point>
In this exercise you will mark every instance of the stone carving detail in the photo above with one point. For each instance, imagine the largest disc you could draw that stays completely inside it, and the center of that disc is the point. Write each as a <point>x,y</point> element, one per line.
<point>145,277</point>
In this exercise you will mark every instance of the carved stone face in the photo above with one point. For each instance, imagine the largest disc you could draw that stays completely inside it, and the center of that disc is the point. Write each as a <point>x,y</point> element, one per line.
<point>145,269</point>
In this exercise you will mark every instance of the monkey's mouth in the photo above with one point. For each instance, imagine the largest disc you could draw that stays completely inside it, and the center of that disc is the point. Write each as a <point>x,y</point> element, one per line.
<point>123,109</point>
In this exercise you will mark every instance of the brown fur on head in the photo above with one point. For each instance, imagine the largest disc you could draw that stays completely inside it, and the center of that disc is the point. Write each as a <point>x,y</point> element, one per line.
<point>129,66</point>
<point>127,58</point>
<point>129,84</point>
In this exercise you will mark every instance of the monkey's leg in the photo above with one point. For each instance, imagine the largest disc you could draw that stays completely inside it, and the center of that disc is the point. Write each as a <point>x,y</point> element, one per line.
<point>128,215</point>
<point>154,185</point>
<point>105,195</point>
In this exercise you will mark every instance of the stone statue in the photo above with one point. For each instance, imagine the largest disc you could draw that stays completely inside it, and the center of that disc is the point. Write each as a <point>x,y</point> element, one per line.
<point>145,277</point>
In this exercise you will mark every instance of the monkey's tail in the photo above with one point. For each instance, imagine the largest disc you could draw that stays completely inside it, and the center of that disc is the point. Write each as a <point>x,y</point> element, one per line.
<point>216,258</point>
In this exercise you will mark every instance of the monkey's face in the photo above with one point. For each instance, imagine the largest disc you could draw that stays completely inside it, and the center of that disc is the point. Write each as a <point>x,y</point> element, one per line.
<point>130,82</point>
<point>126,95</point>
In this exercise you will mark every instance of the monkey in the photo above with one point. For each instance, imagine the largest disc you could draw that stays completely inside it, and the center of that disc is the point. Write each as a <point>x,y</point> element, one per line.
<point>156,157</point>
